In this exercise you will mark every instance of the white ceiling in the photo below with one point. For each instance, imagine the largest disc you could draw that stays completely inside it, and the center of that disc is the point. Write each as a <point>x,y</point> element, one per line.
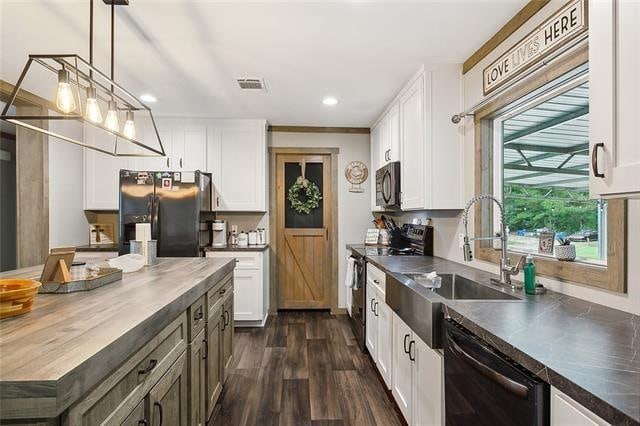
<point>187,53</point>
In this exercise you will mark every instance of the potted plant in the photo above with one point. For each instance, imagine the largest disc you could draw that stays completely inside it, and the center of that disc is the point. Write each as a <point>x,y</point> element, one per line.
<point>565,250</point>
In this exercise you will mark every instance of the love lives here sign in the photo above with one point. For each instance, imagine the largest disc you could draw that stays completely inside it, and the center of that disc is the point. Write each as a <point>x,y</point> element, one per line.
<point>566,24</point>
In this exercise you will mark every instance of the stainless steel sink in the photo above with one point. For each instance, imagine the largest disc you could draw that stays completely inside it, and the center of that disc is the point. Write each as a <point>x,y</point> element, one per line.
<point>421,307</point>
<point>456,287</point>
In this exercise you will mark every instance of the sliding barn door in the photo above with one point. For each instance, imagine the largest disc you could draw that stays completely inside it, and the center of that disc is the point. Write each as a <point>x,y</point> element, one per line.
<point>304,273</point>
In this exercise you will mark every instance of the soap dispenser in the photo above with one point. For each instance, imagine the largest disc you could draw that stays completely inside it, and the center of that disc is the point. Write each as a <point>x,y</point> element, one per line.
<point>529,275</point>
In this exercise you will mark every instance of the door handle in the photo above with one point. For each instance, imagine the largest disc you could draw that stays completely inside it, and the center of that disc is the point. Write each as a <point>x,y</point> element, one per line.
<point>226,319</point>
<point>412,344</point>
<point>180,162</point>
<point>217,201</point>
<point>406,336</point>
<point>594,160</point>
<point>224,325</point>
<point>371,304</point>
<point>167,162</point>
<point>205,351</point>
<point>506,383</point>
<point>160,413</point>
<point>375,309</point>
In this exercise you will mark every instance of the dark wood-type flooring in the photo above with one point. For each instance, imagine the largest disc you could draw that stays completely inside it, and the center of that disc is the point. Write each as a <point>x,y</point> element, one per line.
<point>303,368</point>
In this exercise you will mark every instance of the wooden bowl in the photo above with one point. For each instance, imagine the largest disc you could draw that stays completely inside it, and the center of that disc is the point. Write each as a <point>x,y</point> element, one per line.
<point>16,296</point>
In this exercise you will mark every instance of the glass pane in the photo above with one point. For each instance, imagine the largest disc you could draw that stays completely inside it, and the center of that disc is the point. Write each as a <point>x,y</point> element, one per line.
<point>546,176</point>
<point>293,219</point>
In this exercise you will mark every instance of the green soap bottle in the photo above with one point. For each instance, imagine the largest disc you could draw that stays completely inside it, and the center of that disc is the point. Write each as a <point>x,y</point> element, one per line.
<point>529,276</point>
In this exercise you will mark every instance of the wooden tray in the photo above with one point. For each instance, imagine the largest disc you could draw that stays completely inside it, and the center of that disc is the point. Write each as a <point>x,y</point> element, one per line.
<point>104,276</point>
<point>16,296</point>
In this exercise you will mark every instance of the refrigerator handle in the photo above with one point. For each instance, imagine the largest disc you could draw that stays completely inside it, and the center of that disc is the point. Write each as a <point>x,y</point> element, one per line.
<point>154,216</point>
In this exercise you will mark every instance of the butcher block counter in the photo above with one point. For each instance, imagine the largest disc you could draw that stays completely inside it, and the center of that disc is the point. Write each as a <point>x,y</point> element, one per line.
<point>86,344</point>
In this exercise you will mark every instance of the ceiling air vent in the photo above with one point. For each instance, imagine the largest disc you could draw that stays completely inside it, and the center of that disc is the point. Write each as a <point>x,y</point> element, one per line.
<point>251,84</point>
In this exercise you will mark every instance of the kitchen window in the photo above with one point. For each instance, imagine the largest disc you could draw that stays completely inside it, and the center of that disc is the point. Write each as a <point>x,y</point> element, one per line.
<point>533,154</point>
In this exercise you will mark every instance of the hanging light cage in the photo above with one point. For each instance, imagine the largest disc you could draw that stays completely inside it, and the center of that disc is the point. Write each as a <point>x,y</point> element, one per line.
<point>46,71</point>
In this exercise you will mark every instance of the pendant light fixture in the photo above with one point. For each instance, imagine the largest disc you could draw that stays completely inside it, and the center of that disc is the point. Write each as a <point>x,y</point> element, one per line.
<point>75,76</point>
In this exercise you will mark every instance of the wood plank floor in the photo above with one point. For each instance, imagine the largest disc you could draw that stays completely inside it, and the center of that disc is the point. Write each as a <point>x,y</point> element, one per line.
<point>303,368</point>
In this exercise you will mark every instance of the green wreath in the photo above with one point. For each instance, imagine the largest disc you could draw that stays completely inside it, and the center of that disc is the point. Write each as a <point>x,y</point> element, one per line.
<point>311,191</point>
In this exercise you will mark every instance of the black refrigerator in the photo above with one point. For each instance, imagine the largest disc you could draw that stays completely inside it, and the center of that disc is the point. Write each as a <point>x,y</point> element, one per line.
<point>172,202</point>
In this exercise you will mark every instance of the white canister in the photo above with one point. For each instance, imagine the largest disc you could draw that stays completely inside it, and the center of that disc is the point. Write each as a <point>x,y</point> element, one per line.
<point>253,238</point>
<point>262,236</point>
<point>243,239</point>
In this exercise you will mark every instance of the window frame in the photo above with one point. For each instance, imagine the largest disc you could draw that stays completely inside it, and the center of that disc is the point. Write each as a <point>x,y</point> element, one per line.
<point>613,276</point>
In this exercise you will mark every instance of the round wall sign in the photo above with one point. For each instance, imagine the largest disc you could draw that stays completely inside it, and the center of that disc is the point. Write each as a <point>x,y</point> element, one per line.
<point>356,173</point>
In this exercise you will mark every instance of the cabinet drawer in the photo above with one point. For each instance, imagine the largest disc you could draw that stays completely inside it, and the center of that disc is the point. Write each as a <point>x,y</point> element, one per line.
<point>244,260</point>
<point>196,317</point>
<point>377,278</point>
<point>216,294</point>
<point>128,385</point>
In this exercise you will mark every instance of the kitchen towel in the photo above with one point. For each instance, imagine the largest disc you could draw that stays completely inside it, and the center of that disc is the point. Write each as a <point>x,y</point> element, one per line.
<point>348,279</point>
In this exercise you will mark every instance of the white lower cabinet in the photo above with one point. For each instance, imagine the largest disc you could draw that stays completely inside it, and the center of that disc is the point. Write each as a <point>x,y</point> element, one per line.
<point>417,377</point>
<point>567,412</point>
<point>372,324</point>
<point>379,331</point>
<point>251,285</point>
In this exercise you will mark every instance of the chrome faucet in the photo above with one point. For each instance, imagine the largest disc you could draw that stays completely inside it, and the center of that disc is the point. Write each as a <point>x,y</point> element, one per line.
<point>506,269</point>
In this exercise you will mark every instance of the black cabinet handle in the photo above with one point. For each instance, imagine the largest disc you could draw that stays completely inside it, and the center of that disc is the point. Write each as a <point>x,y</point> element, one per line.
<point>167,162</point>
<point>375,309</point>
<point>143,422</point>
<point>226,319</point>
<point>205,351</point>
<point>411,345</point>
<point>217,201</point>
<point>371,304</point>
<point>406,336</point>
<point>160,413</point>
<point>151,366</point>
<point>224,325</point>
<point>198,314</point>
<point>180,162</point>
<point>223,291</point>
<point>376,281</point>
<point>594,160</point>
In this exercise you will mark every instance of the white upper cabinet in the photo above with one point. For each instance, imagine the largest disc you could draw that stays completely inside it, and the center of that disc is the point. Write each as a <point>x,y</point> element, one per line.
<point>237,159</point>
<point>412,163</point>
<point>614,90</point>
<point>102,179</point>
<point>416,130</point>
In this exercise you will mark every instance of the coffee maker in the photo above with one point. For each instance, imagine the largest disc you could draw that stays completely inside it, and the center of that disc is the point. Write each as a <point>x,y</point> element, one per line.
<point>219,228</point>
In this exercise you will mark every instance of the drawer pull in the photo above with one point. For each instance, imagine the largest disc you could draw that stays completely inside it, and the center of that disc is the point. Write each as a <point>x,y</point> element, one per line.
<point>371,304</point>
<point>223,291</point>
<point>411,344</point>
<point>205,351</point>
<point>237,260</point>
<point>375,310</point>
<point>376,281</point>
<point>151,366</point>
<point>226,318</point>
<point>143,422</point>
<point>160,414</point>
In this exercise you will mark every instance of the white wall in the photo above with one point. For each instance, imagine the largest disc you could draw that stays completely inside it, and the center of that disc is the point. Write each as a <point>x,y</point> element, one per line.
<point>448,224</point>
<point>353,208</point>
<point>68,225</point>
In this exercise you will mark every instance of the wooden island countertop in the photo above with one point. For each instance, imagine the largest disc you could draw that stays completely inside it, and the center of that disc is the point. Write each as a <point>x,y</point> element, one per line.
<point>68,343</point>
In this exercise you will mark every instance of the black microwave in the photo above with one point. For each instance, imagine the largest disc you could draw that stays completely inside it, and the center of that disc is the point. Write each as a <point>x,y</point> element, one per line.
<point>388,185</point>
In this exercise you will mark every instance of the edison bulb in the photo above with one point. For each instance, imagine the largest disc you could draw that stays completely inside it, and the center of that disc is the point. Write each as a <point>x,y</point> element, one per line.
<point>129,126</point>
<point>64,96</point>
<point>111,122</point>
<point>93,112</point>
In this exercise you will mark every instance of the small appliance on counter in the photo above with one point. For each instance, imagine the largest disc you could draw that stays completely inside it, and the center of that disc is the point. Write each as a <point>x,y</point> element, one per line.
<point>262,236</point>
<point>234,235</point>
<point>219,229</point>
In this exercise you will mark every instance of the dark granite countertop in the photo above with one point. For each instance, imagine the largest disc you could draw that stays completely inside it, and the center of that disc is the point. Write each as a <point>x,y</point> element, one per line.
<point>258,247</point>
<point>588,351</point>
<point>97,247</point>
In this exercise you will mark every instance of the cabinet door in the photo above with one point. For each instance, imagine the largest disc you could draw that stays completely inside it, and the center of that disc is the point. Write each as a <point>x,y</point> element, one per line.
<point>371,323</point>
<point>393,144</point>
<point>375,164</point>
<point>197,379</point>
<point>146,133</point>
<point>412,130</point>
<point>137,416</point>
<point>427,385</point>
<point>213,364</point>
<point>402,368</point>
<point>102,179</point>
<point>567,412</point>
<point>614,90</point>
<point>228,333</point>
<point>240,176</point>
<point>247,295</point>
<point>194,154</point>
<point>168,399</point>
<point>384,153</point>
<point>385,333</point>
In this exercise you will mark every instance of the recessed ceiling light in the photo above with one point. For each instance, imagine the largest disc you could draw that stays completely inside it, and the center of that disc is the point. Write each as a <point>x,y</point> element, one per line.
<point>330,101</point>
<point>147,98</point>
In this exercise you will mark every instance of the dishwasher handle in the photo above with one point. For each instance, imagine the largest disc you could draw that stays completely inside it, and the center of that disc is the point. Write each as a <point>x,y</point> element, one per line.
<point>517,389</point>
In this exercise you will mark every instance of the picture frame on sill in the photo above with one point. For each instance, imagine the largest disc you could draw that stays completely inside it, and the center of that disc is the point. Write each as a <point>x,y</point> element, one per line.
<point>545,242</point>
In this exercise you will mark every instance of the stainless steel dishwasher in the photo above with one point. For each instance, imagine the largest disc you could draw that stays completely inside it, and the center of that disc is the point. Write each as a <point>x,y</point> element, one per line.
<point>483,387</point>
